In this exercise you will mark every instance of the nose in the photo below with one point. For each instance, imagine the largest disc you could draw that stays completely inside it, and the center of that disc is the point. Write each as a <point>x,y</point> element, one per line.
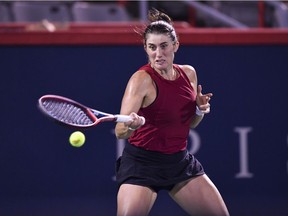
<point>158,52</point>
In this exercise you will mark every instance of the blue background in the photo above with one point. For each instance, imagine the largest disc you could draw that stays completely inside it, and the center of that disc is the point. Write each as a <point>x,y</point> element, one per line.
<point>41,174</point>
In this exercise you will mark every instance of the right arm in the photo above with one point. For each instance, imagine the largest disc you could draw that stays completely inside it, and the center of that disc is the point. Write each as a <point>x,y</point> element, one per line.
<point>134,98</point>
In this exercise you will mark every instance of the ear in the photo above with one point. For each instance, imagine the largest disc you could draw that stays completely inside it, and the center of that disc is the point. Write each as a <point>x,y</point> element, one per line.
<point>145,48</point>
<point>176,46</point>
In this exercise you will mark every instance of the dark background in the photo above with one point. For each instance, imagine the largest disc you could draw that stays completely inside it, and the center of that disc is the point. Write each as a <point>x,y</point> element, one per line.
<point>41,174</point>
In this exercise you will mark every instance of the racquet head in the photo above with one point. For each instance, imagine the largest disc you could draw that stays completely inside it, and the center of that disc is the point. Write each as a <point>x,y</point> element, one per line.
<point>66,111</point>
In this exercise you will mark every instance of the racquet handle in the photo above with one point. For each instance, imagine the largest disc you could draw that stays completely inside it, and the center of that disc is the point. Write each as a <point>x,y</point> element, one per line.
<point>126,118</point>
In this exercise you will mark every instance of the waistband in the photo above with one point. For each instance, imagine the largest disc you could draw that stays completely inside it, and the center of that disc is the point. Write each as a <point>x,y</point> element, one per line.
<point>138,153</point>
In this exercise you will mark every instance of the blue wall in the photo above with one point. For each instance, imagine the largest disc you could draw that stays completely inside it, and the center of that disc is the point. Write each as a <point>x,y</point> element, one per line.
<point>41,174</point>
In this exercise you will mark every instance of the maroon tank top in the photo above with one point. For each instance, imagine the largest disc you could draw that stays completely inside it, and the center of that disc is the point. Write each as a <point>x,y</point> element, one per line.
<point>168,118</point>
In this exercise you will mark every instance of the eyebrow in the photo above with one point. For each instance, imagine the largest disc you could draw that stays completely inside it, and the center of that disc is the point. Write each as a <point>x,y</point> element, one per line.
<point>160,43</point>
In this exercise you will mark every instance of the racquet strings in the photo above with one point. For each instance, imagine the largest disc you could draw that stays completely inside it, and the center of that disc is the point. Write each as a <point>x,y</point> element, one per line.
<point>67,112</point>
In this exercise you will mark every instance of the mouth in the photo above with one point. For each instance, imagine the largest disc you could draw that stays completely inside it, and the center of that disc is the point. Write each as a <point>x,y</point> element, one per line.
<point>160,61</point>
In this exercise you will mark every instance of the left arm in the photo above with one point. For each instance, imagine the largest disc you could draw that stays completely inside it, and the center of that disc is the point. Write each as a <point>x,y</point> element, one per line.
<point>202,101</point>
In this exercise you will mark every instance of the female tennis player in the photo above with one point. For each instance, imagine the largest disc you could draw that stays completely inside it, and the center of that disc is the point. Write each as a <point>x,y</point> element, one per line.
<point>156,157</point>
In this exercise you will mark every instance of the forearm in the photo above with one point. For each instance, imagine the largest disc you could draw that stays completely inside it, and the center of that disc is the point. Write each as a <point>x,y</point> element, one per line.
<point>196,120</point>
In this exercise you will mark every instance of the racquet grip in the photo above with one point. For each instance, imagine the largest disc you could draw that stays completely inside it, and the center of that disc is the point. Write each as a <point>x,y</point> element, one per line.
<point>123,118</point>
<point>126,118</point>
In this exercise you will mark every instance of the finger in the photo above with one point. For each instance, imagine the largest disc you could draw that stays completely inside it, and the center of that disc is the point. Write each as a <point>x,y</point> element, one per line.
<point>142,120</point>
<point>132,117</point>
<point>209,95</point>
<point>208,98</point>
<point>199,89</point>
<point>204,107</point>
<point>137,121</point>
<point>206,110</point>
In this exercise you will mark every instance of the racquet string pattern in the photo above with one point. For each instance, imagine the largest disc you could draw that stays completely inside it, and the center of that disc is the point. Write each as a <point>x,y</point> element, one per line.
<point>67,112</point>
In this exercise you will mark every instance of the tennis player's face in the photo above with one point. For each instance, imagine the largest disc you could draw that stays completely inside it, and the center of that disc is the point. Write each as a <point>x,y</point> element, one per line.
<point>160,50</point>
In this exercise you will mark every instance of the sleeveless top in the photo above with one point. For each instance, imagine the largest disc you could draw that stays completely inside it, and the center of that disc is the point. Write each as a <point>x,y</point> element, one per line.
<point>168,118</point>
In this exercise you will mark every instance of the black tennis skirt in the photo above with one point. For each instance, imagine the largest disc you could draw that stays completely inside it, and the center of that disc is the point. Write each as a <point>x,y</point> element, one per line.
<point>155,170</point>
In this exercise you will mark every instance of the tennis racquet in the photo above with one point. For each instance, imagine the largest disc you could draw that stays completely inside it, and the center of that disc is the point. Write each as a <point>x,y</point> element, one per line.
<point>71,113</point>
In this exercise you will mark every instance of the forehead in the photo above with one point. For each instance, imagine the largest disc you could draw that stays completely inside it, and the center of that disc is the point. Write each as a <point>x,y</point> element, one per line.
<point>157,38</point>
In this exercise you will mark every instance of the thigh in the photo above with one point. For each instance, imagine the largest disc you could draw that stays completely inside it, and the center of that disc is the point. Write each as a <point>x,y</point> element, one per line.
<point>199,196</point>
<point>135,200</point>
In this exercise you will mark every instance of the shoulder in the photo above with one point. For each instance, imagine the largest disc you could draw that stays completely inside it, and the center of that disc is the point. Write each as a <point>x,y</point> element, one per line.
<point>140,80</point>
<point>190,72</point>
<point>141,76</point>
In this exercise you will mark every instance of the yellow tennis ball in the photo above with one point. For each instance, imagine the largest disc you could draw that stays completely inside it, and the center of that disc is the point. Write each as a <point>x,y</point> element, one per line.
<point>77,139</point>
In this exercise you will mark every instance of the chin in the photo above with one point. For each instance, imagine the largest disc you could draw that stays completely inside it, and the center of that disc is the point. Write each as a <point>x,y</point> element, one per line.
<point>161,67</point>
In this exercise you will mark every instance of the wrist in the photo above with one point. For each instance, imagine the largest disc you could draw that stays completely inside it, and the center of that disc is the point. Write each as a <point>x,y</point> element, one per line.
<point>199,112</point>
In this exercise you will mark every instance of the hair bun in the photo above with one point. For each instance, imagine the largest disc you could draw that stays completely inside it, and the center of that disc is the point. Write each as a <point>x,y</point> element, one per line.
<point>156,15</point>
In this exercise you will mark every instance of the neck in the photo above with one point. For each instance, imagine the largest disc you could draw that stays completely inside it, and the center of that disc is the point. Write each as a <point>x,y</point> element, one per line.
<point>169,74</point>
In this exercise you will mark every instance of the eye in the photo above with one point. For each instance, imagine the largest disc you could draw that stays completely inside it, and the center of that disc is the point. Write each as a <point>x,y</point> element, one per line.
<point>163,46</point>
<point>152,47</point>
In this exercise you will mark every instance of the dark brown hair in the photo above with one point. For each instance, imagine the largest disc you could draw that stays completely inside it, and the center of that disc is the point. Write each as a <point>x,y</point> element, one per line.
<point>160,23</point>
